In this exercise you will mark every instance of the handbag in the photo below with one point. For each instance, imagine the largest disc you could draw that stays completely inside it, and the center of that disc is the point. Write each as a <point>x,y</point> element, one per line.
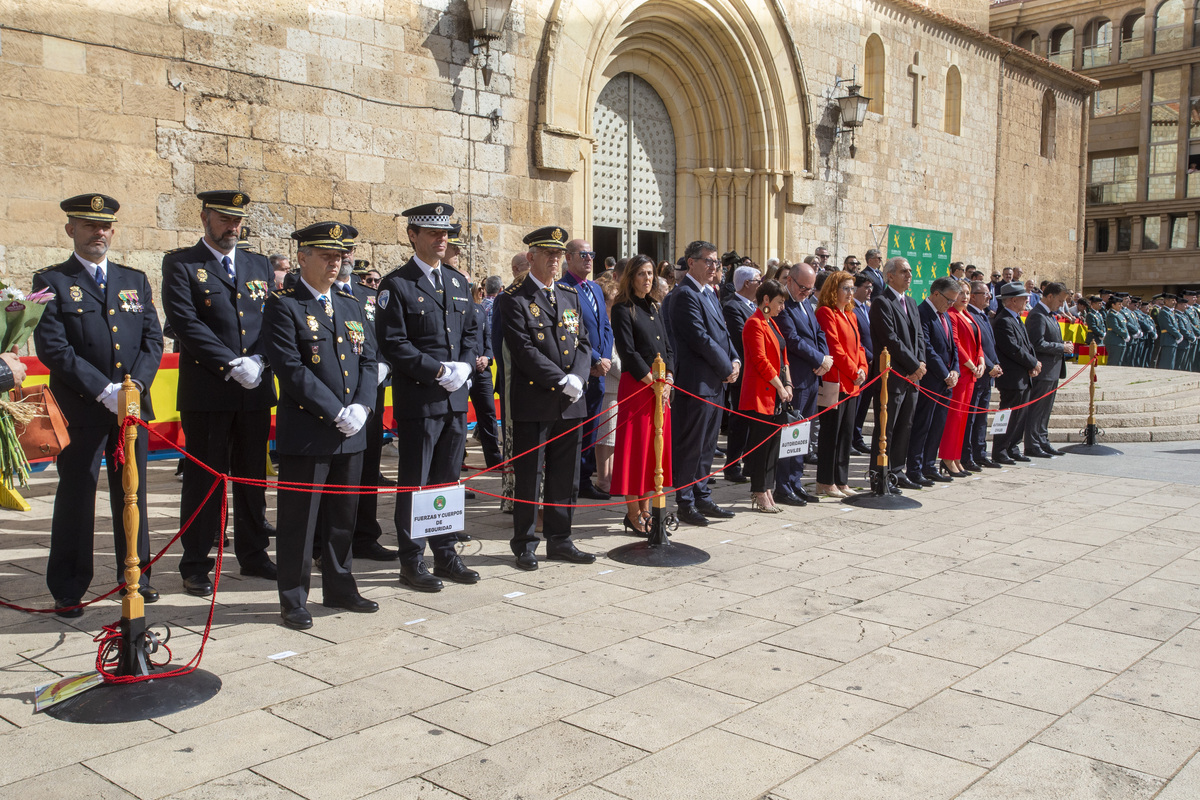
<point>46,434</point>
<point>827,393</point>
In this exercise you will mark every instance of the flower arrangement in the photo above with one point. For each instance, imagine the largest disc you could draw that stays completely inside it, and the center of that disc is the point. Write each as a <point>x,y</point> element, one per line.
<point>21,315</point>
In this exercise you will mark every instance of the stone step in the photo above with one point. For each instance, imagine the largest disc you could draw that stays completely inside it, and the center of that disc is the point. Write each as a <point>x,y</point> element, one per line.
<point>1171,433</point>
<point>1162,419</point>
<point>1069,404</point>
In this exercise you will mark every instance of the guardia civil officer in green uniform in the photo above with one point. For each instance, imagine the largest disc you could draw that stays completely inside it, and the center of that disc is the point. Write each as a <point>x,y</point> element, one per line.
<point>1149,332</point>
<point>1094,320</point>
<point>548,360</point>
<point>1133,327</point>
<point>1116,336</point>
<point>1189,325</point>
<point>213,297</point>
<point>319,350</point>
<point>1169,336</point>
<point>99,327</point>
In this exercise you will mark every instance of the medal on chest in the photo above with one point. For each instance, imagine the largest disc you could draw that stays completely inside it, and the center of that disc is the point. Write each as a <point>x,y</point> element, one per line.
<point>201,276</point>
<point>571,321</point>
<point>76,294</point>
<point>129,300</point>
<point>354,332</point>
<point>312,322</point>
<point>257,289</point>
<point>316,354</point>
<point>369,309</point>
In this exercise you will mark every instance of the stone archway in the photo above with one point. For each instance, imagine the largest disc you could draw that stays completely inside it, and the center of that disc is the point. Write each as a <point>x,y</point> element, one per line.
<point>731,79</point>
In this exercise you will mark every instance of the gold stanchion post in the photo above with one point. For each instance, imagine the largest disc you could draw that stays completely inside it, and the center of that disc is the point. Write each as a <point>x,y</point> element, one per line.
<point>133,659</point>
<point>658,533</point>
<point>1091,431</point>
<point>885,368</point>
<point>881,496</point>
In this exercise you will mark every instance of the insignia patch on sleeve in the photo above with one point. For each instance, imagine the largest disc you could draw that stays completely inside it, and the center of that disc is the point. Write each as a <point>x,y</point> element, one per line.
<point>382,299</point>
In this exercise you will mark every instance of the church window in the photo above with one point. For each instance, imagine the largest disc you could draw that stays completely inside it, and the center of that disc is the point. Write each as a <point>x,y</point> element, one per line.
<point>1049,123</point>
<point>1168,27</point>
<point>952,120</point>
<point>873,74</point>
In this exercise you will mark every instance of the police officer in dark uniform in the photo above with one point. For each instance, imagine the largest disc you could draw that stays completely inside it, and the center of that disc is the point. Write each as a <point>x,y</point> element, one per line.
<point>213,296</point>
<point>429,335</point>
<point>548,360</point>
<point>100,327</point>
<point>317,343</point>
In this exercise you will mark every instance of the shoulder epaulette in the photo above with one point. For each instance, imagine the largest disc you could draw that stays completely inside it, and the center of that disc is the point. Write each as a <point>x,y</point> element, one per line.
<point>344,293</point>
<point>285,292</point>
<point>176,250</point>
<point>512,289</point>
<point>566,287</point>
<point>126,266</point>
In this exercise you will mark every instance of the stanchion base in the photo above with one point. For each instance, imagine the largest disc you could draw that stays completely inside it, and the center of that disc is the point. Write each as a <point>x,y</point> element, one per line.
<point>131,702</point>
<point>1092,450</point>
<point>885,502</point>
<point>643,554</point>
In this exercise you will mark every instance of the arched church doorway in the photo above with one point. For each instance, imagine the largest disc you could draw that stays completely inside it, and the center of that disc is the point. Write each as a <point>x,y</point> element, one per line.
<point>633,188</point>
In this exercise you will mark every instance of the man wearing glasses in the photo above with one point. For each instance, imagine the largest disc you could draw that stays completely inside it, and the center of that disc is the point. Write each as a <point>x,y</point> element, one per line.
<point>975,442</point>
<point>874,271</point>
<point>580,260</point>
<point>737,309</point>
<point>851,264</point>
<point>941,358</point>
<point>371,278</point>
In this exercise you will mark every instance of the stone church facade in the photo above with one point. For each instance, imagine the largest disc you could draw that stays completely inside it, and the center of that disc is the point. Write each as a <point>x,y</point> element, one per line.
<point>640,123</point>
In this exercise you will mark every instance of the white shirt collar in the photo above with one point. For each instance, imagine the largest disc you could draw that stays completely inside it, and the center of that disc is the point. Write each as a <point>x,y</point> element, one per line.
<point>1043,305</point>
<point>702,287</point>
<point>316,293</point>
<point>747,301</point>
<point>539,284</point>
<point>91,268</point>
<point>426,268</point>
<point>895,295</point>
<point>218,255</point>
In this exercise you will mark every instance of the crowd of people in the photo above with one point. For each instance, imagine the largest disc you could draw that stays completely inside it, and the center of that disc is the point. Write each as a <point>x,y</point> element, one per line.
<point>742,349</point>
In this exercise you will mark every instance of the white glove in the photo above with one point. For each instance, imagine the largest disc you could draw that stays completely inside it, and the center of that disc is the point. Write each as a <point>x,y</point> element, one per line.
<point>351,419</point>
<point>109,397</point>
<point>247,371</point>
<point>573,387</point>
<point>455,376</point>
<point>384,371</point>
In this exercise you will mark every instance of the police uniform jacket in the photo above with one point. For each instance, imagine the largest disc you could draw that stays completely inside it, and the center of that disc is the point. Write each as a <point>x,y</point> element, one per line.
<point>1095,325</point>
<point>88,339</point>
<point>1115,325</point>
<point>319,372</point>
<point>1167,328</point>
<point>544,342</point>
<point>215,321</point>
<point>418,329</point>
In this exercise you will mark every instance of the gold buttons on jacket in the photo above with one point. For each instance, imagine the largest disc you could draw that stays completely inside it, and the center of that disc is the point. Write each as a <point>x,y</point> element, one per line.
<point>118,365</point>
<point>345,373</point>
<point>112,311</point>
<point>114,328</point>
<point>241,313</point>
<point>117,346</point>
<point>343,356</point>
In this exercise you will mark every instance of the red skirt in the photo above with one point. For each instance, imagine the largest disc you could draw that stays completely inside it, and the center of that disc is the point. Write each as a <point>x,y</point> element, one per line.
<point>950,448</point>
<point>633,457</point>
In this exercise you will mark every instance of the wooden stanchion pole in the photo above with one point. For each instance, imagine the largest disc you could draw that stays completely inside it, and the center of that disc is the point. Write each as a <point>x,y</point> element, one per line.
<point>881,495</point>
<point>133,659</point>
<point>881,462</point>
<point>658,533</point>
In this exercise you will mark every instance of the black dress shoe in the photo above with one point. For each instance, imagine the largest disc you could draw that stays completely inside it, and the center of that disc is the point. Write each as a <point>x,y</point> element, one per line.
<point>719,452</point>
<point>590,491</point>
<point>1015,456</point>
<point>989,463</point>
<point>198,585</point>
<point>527,561</point>
<point>710,509</point>
<point>971,466</point>
<point>736,476</point>
<point>790,498</point>
<point>1002,459</point>
<point>358,604</point>
<point>149,594</point>
<point>416,576</point>
<point>462,537</point>
<point>1052,451</point>
<point>806,495</point>
<point>905,482</point>
<point>691,516</point>
<point>384,480</point>
<point>567,551</point>
<point>67,602</point>
<point>455,570</point>
<point>266,570</point>
<point>298,619</point>
<point>1036,452</point>
<point>374,551</point>
<point>861,448</point>
<point>937,477</point>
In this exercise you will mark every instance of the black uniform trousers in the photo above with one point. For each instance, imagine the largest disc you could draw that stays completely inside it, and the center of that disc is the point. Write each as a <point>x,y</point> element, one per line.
<point>975,437</point>
<point>593,396</point>
<point>561,461</point>
<point>366,524</point>
<point>72,530</point>
<point>483,399</point>
<point>833,445</point>
<point>233,443</point>
<point>300,511</point>
<point>1037,425</point>
<point>929,421</point>
<point>695,426</point>
<point>762,459</point>
<point>431,453</point>
<point>1015,432</point>
<point>901,406</point>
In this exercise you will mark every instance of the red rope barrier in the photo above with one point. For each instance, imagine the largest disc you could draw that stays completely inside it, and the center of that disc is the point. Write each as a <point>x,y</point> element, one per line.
<point>953,406</point>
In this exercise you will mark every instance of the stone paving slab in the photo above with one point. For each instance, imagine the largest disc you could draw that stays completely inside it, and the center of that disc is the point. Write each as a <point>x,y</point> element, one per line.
<point>1033,632</point>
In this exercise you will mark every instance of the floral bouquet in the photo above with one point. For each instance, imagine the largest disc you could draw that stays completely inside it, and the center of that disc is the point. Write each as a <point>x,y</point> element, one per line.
<point>21,315</point>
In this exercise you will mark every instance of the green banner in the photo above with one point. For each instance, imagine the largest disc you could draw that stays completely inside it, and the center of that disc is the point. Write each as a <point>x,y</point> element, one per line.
<point>928,253</point>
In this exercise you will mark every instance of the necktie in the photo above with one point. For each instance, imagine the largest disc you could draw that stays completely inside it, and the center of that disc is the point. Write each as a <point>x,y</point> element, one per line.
<point>945,325</point>
<point>325,304</point>
<point>100,280</point>
<point>591,296</point>
<point>550,295</point>
<point>227,262</point>
<point>436,275</point>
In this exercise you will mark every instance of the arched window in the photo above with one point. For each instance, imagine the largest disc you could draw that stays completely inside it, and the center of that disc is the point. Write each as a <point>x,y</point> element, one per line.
<point>1133,36</point>
<point>951,120</point>
<point>1049,122</point>
<point>873,71</point>
<point>1097,43</point>
<point>1062,46</point>
<point>1168,27</point>
<point>1029,40</point>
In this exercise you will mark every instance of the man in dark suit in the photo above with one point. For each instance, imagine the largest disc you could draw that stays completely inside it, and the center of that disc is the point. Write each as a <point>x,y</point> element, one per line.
<point>864,287</point>
<point>873,271</point>
<point>579,260</point>
<point>1046,337</point>
<point>483,394</point>
<point>808,359</point>
<point>941,359</point>
<point>737,308</point>
<point>100,327</point>
<point>975,453</point>
<point>896,328</point>
<point>705,361</point>
<point>1020,366</point>
<point>213,298</point>
<point>429,334</point>
<point>317,344</point>
<point>547,360</point>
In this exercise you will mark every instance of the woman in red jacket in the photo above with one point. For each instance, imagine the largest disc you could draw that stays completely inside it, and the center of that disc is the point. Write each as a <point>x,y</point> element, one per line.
<point>970,366</point>
<point>835,314</point>
<point>766,386</point>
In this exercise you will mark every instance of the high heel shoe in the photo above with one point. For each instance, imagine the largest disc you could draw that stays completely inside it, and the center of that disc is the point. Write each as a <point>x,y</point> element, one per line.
<point>952,473</point>
<point>631,526</point>
<point>756,502</point>
<point>847,491</point>
<point>829,491</point>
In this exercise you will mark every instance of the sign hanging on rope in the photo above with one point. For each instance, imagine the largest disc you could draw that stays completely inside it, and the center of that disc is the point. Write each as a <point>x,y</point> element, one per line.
<point>437,511</point>
<point>793,439</point>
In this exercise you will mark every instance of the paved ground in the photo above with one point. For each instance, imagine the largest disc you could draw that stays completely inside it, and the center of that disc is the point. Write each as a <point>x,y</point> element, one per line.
<point>1032,633</point>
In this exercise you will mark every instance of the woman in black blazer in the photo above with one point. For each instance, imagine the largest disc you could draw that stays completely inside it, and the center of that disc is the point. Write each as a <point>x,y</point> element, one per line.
<point>639,335</point>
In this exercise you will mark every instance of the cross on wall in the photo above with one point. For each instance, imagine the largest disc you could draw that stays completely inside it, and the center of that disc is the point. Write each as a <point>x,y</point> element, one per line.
<point>918,73</point>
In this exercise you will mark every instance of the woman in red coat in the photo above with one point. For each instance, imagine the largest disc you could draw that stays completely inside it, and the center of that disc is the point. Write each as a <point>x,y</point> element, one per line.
<point>835,314</point>
<point>766,385</point>
<point>970,367</point>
